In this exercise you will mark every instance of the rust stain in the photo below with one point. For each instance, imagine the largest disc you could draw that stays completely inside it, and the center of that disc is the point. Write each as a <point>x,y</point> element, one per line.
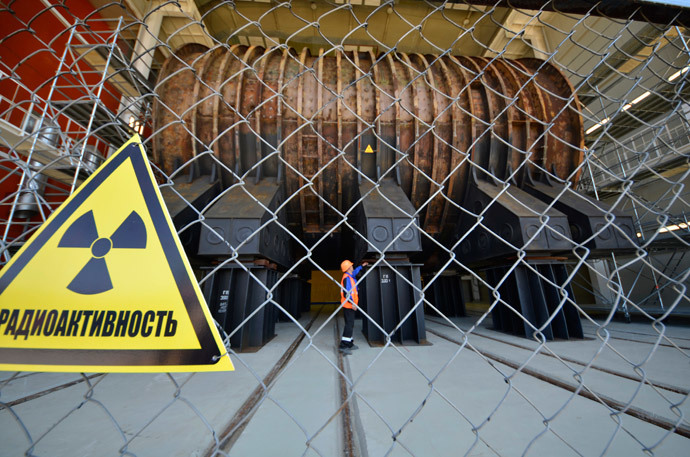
<point>428,118</point>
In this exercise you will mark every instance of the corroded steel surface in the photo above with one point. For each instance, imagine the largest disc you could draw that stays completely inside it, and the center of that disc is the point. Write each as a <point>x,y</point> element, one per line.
<point>426,118</point>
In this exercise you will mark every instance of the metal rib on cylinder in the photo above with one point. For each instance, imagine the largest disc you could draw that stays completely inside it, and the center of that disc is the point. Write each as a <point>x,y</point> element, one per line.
<point>428,119</point>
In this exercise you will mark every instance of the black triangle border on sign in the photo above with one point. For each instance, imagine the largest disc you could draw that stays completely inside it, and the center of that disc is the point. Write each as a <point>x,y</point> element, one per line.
<point>209,351</point>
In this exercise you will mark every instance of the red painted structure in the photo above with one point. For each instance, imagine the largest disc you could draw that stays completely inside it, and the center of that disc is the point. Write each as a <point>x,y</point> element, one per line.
<point>38,64</point>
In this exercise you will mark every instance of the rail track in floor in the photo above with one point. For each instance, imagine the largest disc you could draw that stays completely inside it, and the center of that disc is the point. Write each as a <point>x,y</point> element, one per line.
<point>680,427</point>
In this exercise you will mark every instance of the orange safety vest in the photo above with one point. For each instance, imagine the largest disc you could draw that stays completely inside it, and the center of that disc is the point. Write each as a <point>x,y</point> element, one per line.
<point>354,297</point>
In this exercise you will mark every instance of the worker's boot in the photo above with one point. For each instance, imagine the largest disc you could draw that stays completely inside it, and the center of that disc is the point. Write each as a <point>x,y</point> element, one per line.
<point>352,345</point>
<point>344,347</point>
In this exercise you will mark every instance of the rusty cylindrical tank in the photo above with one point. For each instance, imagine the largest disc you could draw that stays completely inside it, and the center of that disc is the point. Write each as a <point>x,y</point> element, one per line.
<point>426,119</point>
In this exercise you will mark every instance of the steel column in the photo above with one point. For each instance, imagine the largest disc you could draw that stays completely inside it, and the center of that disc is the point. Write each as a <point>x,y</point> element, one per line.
<point>234,294</point>
<point>389,295</point>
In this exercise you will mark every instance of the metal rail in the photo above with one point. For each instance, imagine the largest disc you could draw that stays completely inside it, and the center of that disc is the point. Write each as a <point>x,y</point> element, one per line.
<point>232,431</point>
<point>680,427</point>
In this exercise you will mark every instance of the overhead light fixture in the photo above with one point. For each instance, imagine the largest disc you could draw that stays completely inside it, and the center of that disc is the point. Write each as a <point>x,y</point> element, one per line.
<point>627,106</point>
<point>673,227</point>
<point>640,98</point>
<point>596,126</point>
<point>678,73</point>
<point>592,129</point>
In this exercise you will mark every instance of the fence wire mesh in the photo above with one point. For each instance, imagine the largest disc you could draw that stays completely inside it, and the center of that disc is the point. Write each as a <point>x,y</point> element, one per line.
<point>514,177</point>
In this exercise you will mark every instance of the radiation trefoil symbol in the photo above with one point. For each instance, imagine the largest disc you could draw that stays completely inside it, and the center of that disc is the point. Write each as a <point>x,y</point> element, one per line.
<point>94,277</point>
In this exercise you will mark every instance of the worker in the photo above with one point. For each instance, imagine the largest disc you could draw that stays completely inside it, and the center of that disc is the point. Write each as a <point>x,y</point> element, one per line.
<point>349,299</point>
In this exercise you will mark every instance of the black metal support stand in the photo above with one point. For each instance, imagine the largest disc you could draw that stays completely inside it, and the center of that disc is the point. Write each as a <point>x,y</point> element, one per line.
<point>445,293</point>
<point>295,297</point>
<point>199,192</point>
<point>536,299</point>
<point>233,294</point>
<point>387,295</point>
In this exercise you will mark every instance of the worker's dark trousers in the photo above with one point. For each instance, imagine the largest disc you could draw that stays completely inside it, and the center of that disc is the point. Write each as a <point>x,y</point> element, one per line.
<point>349,315</point>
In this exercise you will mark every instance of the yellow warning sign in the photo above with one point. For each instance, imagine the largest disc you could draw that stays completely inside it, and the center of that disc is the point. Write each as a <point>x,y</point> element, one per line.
<point>368,150</point>
<point>104,284</point>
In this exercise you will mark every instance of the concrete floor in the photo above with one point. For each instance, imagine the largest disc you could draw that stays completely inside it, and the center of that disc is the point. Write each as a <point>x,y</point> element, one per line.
<point>442,399</point>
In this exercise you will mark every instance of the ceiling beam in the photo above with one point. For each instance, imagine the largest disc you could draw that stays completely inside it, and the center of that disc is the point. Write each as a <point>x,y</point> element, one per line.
<point>384,27</point>
<point>646,37</point>
<point>636,10</point>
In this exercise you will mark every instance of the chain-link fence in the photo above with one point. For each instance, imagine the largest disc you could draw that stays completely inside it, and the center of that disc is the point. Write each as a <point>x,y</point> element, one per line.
<point>513,175</point>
